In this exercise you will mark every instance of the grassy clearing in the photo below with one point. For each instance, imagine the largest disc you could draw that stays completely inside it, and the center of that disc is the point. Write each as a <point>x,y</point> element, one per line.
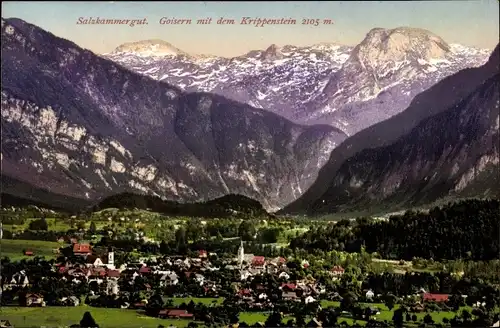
<point>53,225</point>
<point>252,318</point>
<point>196,300</point>
<point>394,266</point>
<point>65,316</point>
<point>13,248</point>
<point>386,314</point>
<point>59,225</point>
<point>284,237</point>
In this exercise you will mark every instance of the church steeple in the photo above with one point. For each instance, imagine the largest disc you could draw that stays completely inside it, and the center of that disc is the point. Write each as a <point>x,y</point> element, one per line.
<point>111,258</point>
<point>241,254</point>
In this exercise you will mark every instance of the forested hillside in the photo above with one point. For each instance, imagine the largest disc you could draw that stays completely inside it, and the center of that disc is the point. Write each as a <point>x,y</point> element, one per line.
<point>220,207</point>
<point>465,230</point>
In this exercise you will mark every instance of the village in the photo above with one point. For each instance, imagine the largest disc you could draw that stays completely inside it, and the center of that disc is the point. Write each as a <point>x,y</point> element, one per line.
<point>252,283</point>
<point>136,268</point>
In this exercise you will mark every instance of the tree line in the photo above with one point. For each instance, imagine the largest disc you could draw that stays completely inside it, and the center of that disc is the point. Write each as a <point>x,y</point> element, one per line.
<point>226,206</point>
<point>465,230</point>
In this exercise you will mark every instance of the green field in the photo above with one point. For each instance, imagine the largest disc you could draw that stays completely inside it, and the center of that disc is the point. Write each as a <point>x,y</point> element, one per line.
<point>203,300</point>
<point>386,314</point>
<point>252,318</point>
<point>65,316</point>
<point>284,237</point>
<point>53,225</point>
<point>13,248</point>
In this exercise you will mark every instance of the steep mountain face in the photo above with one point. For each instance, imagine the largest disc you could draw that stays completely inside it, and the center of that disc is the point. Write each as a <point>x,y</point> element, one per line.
<point>450,147</point>
<point>277,79</point>
<point>348,88</point>
<point>383,74</point>
<point>16,193</point>
<point>79,125</point>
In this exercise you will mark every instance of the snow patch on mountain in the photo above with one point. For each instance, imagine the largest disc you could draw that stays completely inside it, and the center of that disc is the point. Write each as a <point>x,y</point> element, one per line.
<point>382,75</point>
<point>349,88</point>
<point>279,79</point>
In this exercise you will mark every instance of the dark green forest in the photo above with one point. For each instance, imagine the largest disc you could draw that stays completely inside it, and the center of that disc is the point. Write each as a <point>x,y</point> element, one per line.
<point>465,230</point>
<point>229,205</point>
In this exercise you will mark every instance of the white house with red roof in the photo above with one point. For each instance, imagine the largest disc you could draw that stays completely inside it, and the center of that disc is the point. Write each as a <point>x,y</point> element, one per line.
<point>337,271</point>
<point>82,249</point>
<point>258,262</point>
<point>435,297</point>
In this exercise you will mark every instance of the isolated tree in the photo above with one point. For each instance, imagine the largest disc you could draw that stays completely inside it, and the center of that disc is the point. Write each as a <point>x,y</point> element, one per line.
<point>92,228</point>
<point>274,320</point>
<point>390,301</point>
<point>39,224</point>
<point>180,237</point>
<point>246,230</point>
<point>163,247</point>
<point>300,319</point>
<point>466,315</point>
<point>367,313</point>
<point>428,319</point>
<point>398,318</point>
<point>349,301</point>
<point>155,303</point>
<point>87,321</point>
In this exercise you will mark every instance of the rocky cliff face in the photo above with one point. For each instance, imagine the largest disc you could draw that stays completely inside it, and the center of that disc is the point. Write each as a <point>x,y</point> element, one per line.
<point>442,145</point>
<point>273,52</point>
<point>277,79</point>
<point>79,125</point>
<point>382,75</point>
<point>349,88</point>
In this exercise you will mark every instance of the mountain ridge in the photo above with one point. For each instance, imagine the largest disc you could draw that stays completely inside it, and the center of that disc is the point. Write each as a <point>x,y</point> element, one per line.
<point>436,102</point>
<point>150,47</point>
<point>112,130</point>
<point>226,206</point>
<point>322,83</point>
<point>389,67</point>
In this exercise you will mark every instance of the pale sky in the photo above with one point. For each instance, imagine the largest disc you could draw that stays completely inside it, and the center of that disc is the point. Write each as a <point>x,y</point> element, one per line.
<point>473,23</point>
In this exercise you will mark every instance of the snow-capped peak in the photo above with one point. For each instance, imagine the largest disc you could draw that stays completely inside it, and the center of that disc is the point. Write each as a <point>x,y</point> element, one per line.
<point>381,46</point>
<point>322,83</point>
<point>149,48</point>
<point>272,53</point>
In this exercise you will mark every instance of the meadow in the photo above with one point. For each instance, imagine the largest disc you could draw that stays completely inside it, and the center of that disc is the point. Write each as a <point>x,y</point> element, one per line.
<point>55,316</point>
<point>13,248</point>
<point>53,225</point>
<point>65,316</point>
<point>386,314</point>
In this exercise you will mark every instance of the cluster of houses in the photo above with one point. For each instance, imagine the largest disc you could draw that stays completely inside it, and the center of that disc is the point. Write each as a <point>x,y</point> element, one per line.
<point>100,269</point>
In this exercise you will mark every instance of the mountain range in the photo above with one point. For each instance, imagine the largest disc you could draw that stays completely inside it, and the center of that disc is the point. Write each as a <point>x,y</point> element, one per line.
<point>350,88</point>
<point>444,144</point>
<point>402,118</point>
<point>79,125</point>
